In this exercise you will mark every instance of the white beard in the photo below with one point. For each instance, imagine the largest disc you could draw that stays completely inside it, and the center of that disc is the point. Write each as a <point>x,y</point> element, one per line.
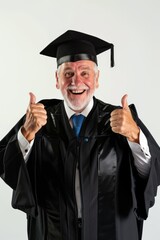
<point>76,106</point>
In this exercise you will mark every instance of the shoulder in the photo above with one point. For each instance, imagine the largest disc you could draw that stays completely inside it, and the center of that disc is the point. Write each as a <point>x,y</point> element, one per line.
<point>50,102</point>
<point>105,107</point>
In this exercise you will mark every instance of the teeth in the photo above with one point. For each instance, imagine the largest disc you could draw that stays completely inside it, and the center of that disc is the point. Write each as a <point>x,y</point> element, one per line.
<point>77,91</point>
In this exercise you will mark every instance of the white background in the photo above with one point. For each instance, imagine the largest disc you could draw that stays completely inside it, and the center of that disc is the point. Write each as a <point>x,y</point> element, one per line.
<point>26,27</point>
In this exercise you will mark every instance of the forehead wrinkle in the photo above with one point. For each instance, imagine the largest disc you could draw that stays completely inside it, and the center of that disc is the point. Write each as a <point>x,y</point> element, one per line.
<point>73,66</point>
<point>68,68</point>
<point>84,67</point>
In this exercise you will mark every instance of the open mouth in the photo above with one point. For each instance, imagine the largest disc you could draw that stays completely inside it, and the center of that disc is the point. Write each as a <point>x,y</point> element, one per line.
<point>77,92</point>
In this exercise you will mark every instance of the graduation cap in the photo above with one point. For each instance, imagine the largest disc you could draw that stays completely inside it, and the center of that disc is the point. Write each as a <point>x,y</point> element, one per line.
<point>73,46</point>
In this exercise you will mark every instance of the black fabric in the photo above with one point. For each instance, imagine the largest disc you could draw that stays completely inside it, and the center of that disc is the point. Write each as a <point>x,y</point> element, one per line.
<point>73,43</point>
<point>74,47</point>
<point>79,228</point>
<point>76,57</point>
<point>115,199</point>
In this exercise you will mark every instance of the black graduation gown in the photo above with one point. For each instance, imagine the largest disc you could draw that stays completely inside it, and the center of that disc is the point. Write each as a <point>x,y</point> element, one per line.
<point>115,199</point>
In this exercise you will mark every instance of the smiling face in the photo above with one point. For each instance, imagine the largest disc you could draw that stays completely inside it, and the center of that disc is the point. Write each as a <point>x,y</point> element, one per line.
<point>77,82</point>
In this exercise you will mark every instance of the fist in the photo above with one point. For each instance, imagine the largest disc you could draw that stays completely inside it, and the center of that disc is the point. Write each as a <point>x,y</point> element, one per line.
<point>122,122</point>
<point>36,117</point>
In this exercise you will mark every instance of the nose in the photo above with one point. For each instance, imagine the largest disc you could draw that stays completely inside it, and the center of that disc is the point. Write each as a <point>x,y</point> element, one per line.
<point>76,80</point>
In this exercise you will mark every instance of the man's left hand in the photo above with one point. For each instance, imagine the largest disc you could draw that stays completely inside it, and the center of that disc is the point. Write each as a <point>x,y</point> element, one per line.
<point>122,122</point>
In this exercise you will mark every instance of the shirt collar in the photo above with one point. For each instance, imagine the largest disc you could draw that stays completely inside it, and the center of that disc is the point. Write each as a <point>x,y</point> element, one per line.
<point>85,112</point>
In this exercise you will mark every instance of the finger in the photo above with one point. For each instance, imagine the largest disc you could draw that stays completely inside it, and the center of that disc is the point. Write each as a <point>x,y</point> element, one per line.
<point>41,113</point>
<point>116,112</point>
<point>38,107</point>
<point>32,98</point>
<point>124,102</point>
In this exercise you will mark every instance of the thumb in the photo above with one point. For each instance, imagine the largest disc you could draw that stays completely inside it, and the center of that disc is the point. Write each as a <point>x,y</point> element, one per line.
<point>124,102</point>
<point>32,98</point>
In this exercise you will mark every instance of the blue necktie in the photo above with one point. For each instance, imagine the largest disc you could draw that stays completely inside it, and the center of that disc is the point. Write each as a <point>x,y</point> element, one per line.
<point>77,121</point>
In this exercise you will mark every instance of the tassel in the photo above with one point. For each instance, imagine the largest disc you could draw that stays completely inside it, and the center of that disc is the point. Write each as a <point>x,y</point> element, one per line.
<point>112,55</point>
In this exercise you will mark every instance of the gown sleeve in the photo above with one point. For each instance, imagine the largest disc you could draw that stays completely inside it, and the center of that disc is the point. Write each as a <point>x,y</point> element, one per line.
<point>146,189</point>
<point>14,172</point>
<point>21,177</point>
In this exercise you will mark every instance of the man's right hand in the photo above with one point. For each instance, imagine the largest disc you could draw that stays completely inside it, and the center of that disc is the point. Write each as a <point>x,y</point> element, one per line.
<point>36,117</point>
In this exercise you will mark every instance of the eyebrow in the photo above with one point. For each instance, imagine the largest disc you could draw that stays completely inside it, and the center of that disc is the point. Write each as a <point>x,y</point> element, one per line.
<point>68,68</point>
<point>83,67</point>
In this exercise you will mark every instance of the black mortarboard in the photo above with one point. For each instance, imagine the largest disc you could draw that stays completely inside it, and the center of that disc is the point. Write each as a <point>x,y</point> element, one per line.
<point>73,46</point>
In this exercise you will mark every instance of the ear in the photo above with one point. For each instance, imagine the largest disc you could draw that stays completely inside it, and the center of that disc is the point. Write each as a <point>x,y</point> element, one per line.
<point>97,79</point>
<point>57,81</point>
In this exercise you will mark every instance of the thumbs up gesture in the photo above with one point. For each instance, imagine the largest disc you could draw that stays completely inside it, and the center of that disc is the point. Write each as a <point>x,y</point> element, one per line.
<point>36,117</point>
<point>122,122</point>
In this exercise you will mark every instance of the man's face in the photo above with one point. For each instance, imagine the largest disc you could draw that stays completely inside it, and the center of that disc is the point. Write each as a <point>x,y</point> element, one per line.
<point>77,82</point>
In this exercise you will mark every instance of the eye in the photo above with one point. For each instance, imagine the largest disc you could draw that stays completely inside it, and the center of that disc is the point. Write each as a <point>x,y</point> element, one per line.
<point>69,74</point>
<point>85,74</point>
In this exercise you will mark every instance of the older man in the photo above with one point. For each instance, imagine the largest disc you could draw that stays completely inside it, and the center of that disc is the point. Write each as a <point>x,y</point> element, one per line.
<point>81,168</point>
